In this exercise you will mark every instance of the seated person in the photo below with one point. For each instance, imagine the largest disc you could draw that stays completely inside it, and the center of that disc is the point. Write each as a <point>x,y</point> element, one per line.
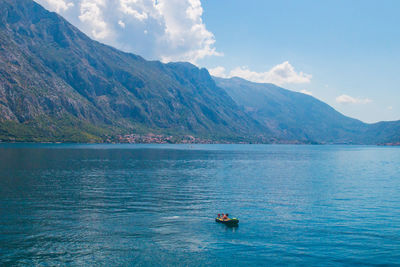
<point>225,217</point>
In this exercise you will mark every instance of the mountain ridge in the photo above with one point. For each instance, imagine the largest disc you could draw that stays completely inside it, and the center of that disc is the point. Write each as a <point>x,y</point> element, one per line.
<point>58,85</point>
<point>294,115</point>
<point>52,70</point>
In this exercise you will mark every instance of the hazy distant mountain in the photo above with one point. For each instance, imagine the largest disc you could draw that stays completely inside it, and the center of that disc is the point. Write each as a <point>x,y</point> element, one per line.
<point>295,116</point>
<point>57,84</point>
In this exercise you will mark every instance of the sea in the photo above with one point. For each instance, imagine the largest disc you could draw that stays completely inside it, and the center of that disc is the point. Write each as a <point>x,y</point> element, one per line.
<point>155,205</point>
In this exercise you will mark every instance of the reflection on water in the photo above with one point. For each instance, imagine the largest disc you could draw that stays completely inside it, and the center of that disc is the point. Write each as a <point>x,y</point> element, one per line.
<point>155,205</point>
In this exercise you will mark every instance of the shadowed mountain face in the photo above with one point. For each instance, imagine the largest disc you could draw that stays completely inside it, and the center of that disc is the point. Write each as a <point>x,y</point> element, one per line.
<point>57,83</point>
<point>295,116</point>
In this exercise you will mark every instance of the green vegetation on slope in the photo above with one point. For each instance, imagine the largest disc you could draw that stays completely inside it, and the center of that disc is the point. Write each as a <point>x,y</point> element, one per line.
<point>295,116</point>
<point>46,129</point>
<point>58,85</point>
<point>48,68</point>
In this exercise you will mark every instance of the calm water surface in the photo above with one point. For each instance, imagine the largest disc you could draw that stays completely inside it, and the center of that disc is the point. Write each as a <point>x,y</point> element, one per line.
<point>151,205</point>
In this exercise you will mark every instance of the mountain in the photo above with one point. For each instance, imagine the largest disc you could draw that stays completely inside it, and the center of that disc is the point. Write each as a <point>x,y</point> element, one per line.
<point>295,116</point>
<point>56,84</point>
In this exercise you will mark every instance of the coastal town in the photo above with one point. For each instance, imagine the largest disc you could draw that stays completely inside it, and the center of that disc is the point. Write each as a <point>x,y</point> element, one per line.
<point>151,138</point>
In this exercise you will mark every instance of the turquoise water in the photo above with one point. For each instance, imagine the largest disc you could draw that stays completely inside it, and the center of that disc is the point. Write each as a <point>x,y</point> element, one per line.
<point>151,205</point>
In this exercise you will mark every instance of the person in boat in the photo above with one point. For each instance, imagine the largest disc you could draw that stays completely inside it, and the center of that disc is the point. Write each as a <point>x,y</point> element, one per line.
<point>219,216</point>
<point>225,217</point>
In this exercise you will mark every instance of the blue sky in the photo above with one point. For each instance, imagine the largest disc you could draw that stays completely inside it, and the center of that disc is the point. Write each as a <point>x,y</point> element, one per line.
<point>349,47</point>
<point>345,53</point>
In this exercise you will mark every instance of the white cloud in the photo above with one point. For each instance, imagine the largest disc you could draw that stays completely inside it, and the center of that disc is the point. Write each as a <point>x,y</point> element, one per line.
<point>346,99</point>
<point>91,13</point>
<point>218,72</point>
<point>121,23</point>
<point>57,5</point>
<point>135,8</point>
<point>169,30</point>
<point>280,74</point>
<point>306,92</point>
<point>185,36</point>
<point>390,108</point>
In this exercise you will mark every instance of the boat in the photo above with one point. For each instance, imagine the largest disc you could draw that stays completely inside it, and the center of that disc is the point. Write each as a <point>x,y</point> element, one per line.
<point>233,221</point>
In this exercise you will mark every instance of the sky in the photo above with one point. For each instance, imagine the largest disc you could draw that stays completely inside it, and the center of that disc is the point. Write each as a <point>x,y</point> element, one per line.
<point>345,53</point>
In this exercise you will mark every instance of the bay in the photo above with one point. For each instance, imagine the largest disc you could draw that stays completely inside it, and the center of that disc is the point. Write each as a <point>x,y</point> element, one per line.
<point>152,205</point>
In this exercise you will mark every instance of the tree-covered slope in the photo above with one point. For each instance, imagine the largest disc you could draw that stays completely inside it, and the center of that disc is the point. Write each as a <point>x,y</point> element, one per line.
<point>295,116</point>
<point>51,72</point>
<point>56,84</point>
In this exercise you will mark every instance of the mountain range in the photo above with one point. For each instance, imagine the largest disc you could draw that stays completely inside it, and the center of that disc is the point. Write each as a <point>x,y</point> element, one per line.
<point>296,116</point>
<point>56,84</point>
